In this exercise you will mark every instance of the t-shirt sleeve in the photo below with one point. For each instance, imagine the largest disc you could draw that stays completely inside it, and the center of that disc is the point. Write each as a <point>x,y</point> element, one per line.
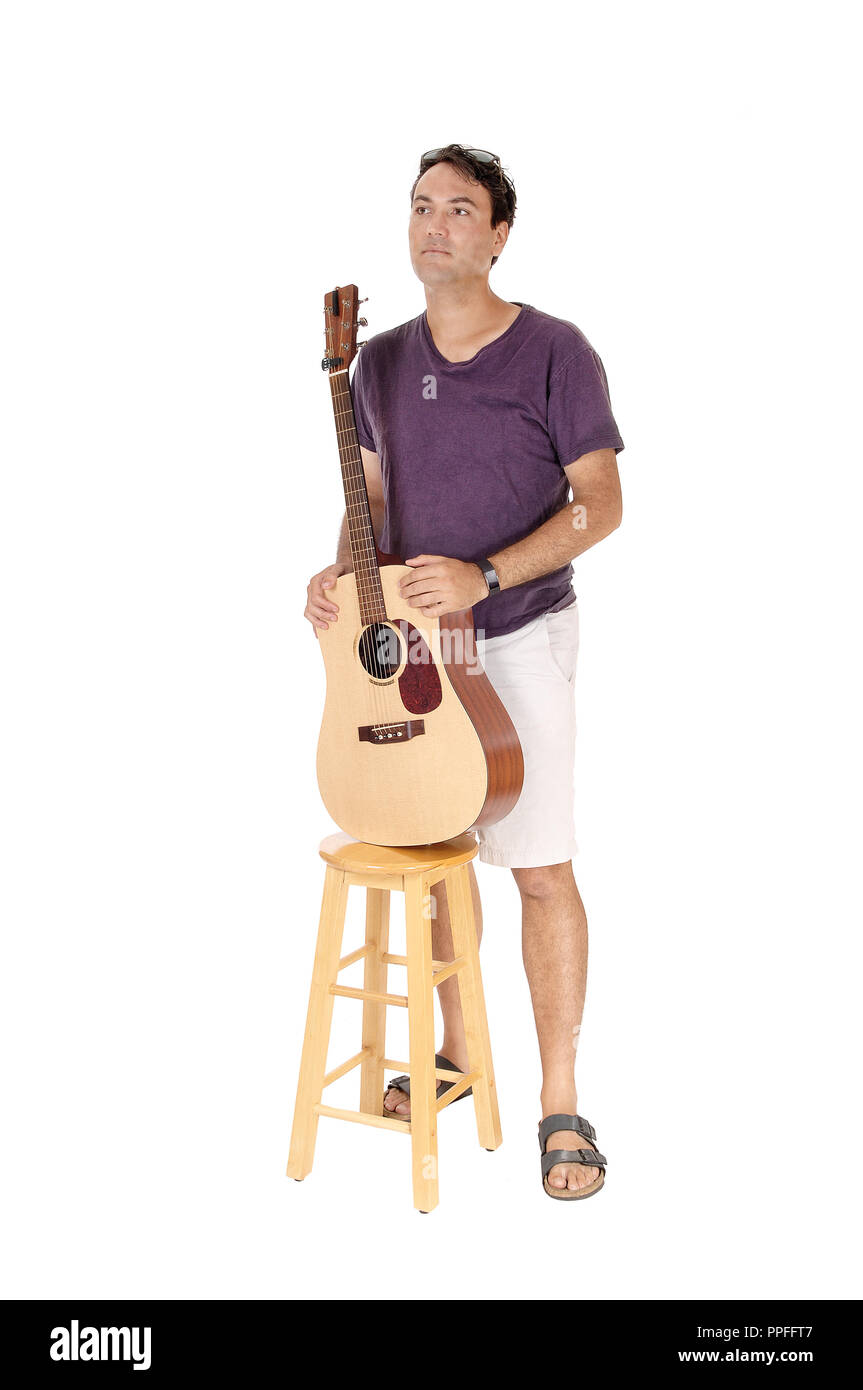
<point>579,409</point>
<point>361,398</point>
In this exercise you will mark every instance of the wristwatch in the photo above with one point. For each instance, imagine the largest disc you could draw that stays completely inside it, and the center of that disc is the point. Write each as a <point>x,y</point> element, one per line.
<point>491,578</point>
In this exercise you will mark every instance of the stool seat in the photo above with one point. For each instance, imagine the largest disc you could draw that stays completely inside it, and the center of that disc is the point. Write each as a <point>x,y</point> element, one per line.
<point>420,872</point>
<point>343,852</point>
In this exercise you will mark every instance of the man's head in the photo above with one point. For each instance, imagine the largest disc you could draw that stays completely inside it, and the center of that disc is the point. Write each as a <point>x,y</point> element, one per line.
<point>462,208</point>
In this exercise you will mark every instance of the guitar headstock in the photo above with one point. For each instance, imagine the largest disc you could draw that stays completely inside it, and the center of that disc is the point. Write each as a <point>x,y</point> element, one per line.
<point>340,328</point>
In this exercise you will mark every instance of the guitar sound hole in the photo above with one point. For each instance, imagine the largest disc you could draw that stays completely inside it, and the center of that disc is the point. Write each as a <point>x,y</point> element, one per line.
<point>380,651</point>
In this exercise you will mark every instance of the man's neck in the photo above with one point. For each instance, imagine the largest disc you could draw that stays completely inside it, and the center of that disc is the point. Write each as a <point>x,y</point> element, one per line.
<point>460,316</point>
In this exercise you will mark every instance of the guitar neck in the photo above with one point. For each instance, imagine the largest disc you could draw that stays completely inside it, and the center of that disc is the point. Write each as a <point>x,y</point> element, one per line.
<point>357,509</point>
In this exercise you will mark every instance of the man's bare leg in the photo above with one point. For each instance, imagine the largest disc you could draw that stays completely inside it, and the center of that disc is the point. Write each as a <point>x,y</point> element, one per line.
<point>554,949</point>
<point>453,1046</point>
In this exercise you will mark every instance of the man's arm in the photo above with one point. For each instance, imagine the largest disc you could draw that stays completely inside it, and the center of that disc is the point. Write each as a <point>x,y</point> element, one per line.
<point>375,489</point>
<point>595,511</point>
<point>440,584</point>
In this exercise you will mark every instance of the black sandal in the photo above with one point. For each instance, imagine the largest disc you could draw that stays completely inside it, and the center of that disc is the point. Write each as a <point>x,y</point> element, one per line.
<point>591,1157</point>
<point>403,1083</point>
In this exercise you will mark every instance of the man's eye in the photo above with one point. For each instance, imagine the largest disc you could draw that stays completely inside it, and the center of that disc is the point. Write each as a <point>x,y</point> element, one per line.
<point>462,210</point>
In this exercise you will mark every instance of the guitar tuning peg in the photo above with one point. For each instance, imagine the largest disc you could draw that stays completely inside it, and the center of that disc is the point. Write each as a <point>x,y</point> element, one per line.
<point>363,301</point>
<point>363,323</point>
<point>362,344</point>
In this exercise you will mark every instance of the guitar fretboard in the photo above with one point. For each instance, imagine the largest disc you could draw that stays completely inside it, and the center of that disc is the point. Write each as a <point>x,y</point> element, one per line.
<point>359,518</point>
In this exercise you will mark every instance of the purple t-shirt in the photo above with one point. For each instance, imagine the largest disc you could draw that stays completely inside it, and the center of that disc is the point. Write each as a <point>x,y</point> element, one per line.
<point>472,453</point>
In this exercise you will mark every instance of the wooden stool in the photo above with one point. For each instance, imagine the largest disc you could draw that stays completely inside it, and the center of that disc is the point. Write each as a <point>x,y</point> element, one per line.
<point>411,871</point>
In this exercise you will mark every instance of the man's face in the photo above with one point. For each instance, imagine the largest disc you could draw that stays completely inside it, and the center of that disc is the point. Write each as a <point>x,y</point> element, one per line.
<point>450,232</point>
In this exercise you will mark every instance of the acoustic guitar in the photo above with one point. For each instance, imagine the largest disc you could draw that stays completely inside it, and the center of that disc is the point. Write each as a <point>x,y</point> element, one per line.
<point>415,745</point>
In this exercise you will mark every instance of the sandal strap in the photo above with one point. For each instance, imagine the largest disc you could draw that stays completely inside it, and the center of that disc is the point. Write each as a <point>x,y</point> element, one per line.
<point>552,1123</point>
<point>591,1158</point>
<point>445,1064</point>
<point>400,1083</point>
<point>403,1083</point>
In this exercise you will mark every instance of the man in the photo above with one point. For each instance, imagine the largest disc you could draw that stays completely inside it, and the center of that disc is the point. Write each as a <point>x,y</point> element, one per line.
<point>474,420</point>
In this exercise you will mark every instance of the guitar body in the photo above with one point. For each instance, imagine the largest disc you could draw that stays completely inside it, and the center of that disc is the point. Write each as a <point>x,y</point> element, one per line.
<point>415,745</point>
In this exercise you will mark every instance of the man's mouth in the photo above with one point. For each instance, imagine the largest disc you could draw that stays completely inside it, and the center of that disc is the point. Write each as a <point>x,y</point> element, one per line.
<point>435,251</point>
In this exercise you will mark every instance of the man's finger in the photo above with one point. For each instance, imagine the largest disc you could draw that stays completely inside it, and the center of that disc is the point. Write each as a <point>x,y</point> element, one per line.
<point>426,585</point>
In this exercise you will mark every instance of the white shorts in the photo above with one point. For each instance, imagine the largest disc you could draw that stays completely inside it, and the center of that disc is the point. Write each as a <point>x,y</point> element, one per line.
<point>533,672</point>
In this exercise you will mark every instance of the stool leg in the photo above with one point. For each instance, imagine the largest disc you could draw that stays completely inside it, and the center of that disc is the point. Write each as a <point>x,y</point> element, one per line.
<point>463,925</point>
<point>375,1015</point>
<point>423,1118</point>
<point>318,1022</point>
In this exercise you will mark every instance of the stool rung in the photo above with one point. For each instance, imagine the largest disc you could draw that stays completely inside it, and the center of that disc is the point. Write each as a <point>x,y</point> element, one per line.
<point>436,964</point>
<point>465,1079</point>
<point>347,1066</point>
<point>448,968</point>
<point>441,1073</point>
<point>355,955</point>
<point>358,1118</point>
<point>400,999</point>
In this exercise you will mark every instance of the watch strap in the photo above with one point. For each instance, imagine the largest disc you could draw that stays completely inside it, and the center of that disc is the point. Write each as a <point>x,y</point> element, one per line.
<point>491,578</point>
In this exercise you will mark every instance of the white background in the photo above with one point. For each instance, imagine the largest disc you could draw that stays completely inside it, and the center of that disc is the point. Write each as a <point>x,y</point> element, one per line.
<point>183,183</point>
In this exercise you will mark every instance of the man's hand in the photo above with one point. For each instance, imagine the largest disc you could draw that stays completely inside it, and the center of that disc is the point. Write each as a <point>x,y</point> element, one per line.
<point>319,607</point>
<point>442,585</point>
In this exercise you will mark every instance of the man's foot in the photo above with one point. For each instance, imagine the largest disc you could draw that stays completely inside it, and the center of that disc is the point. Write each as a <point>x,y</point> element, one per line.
<point>571,1175</point>
<point>398,1101</point>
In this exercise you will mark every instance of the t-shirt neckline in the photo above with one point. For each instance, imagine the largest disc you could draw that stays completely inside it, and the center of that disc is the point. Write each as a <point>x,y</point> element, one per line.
<point>430,342</point>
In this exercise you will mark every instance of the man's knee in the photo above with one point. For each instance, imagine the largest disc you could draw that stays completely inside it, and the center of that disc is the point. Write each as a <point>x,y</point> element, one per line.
<point>544,881</point>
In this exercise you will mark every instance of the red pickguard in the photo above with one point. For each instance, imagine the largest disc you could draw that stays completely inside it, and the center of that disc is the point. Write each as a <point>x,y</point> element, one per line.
<point>419,682</point>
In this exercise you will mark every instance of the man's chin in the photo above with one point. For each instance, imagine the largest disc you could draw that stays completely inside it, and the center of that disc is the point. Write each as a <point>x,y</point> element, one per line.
<point>433,266</point>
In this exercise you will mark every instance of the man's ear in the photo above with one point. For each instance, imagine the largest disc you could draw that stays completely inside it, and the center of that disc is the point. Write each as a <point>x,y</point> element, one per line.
<point>501,233</point>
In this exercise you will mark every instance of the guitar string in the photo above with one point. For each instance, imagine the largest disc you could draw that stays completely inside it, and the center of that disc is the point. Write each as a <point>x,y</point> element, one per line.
<point>361,514</point>
<point>369,587</point>
<point>349,453</point>
<point>364,550</point>
<point>382,658</point>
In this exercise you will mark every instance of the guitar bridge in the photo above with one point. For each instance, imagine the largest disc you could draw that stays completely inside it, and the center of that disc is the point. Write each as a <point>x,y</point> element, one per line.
<point>391,733</point>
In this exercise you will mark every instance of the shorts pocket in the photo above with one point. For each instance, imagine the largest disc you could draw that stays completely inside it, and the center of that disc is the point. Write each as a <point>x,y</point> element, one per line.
<point>561,635</point>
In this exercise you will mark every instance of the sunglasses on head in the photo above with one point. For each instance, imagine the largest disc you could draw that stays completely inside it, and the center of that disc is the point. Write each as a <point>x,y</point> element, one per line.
<point>483,156</point>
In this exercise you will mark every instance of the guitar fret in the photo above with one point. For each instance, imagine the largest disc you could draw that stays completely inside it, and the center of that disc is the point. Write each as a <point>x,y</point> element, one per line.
<point>357,508</point>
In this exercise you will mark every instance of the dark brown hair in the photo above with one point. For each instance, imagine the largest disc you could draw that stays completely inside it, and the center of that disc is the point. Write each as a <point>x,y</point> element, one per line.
<point>492,177</point>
